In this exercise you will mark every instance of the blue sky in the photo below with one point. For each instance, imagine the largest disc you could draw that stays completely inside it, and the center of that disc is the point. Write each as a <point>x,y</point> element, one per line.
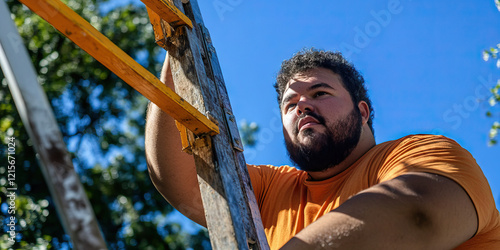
<point>422,62</point>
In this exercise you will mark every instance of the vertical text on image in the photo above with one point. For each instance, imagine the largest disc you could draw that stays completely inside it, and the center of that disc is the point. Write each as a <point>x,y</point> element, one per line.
<point>11,187</point>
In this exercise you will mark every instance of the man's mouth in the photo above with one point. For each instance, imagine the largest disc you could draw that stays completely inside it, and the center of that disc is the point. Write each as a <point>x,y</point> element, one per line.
<point>307,122</point>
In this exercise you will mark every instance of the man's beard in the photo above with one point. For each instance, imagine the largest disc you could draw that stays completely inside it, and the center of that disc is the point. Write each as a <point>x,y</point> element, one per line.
<point>327,149</point>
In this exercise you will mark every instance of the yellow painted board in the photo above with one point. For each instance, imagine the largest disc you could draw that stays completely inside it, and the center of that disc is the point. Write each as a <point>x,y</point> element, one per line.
<point>102,49</point>
<point>168,12</point>
<point>159,31</point>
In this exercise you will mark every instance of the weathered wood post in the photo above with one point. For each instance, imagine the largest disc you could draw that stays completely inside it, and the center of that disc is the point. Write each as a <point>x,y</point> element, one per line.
<point>72,204</point>
<point>231,210</point>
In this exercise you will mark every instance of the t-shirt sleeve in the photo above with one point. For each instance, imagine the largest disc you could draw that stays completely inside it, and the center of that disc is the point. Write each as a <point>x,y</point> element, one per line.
<point>265,177</point>
<point>261,177</point>
<point>257,180</point>
<point>442,156</point>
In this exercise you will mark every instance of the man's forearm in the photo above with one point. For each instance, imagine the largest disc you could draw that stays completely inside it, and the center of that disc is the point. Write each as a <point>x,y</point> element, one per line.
<point>417,211</point>
<point>172,171</point>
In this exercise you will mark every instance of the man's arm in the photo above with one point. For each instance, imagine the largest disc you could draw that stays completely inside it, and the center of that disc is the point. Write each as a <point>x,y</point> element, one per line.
<point>412,211</point>
<point>171,170</point>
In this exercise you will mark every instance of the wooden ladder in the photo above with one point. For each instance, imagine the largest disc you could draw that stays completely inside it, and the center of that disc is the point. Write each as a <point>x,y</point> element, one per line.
<point>201,108</point>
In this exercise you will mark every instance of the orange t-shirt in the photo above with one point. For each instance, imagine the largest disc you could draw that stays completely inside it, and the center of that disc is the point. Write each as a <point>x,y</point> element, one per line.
<point>289,202</point>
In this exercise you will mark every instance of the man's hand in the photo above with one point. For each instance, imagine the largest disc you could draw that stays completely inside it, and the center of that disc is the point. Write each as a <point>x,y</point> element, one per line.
<point>412,211</point>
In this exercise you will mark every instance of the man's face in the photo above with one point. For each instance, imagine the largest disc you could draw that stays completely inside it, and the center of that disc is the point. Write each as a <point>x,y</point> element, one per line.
<point>321,124</point>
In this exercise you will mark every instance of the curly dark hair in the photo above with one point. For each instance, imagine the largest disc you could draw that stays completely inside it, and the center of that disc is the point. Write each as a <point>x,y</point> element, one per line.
<point>308,59</point>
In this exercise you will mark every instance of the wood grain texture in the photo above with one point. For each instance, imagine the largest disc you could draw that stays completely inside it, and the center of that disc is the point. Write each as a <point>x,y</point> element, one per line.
<point>253,218</point>
<point>156,22</point>
<point>168,12</point>
<point>106,52</point>
<point>231,210</point>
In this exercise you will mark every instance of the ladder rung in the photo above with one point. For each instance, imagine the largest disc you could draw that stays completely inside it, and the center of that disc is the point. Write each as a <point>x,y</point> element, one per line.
<point>168,12</point>
<point>161,28</point>
<point>106,52</point>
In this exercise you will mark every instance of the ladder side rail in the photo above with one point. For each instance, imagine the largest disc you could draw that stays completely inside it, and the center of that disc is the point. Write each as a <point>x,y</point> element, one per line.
<point>224,181</point>
<point>73,206</point>
<point>253,219</point>
<point>225,231</point>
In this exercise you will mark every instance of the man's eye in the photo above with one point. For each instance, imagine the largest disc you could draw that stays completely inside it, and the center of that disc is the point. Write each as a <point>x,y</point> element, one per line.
<point>320,93</point>
<point>290,106</point>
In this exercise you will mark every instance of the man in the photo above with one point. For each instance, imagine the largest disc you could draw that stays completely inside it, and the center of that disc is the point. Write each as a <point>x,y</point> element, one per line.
<point>418,192</point>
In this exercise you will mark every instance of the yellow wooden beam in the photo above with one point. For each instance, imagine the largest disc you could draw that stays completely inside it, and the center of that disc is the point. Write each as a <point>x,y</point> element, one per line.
<point>168,12</point>
<point>161,28</point>
<point>102,49</point>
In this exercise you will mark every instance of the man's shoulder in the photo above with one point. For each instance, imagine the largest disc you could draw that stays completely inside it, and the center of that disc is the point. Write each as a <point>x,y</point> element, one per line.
<point>265,176</point>
<point>276,174</point>
<point>263,169</point>
<point>421,140</point>
<point>417,147</point>
<point>424,152</point>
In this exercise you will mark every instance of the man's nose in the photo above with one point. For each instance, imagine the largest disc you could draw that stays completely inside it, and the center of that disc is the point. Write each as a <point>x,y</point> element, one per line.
<point>304,105</point>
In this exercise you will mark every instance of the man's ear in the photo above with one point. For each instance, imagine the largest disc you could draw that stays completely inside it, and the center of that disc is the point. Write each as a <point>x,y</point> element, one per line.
<point>365,111</point>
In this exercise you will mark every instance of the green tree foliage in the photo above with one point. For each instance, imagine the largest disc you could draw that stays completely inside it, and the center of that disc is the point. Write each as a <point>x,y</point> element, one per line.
<point>248,133</point>
<point>102,121</point>
<point>492,53</point>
